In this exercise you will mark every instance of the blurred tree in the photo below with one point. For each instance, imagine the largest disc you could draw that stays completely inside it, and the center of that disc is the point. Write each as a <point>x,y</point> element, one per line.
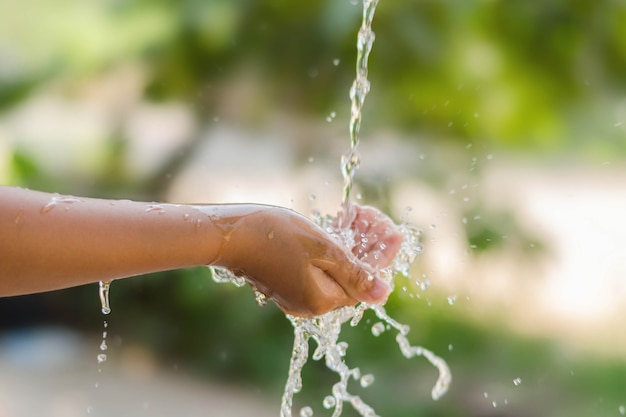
<point>510,73</point>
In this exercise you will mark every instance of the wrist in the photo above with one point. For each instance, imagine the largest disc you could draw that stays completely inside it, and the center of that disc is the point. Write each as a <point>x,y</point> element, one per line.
<point>227,222</point>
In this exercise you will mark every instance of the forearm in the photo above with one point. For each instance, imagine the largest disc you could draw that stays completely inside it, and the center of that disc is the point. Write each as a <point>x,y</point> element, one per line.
<point>49,242</point>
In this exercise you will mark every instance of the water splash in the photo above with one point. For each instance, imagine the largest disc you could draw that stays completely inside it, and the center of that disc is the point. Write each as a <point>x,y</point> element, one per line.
<point>325,329</point>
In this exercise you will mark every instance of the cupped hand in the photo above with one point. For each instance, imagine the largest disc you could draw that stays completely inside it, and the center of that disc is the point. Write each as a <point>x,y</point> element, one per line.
<point>376,237</point>
<point>300,266</point>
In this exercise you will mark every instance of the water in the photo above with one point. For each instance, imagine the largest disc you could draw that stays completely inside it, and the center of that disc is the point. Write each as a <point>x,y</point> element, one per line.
<point>57,200</point>
<point>360,88</point>
<point>103,292</point>
<point>325,329</point>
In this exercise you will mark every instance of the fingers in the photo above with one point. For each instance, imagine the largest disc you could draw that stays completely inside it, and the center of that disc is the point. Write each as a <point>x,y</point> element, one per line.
<point>377,239</point>
<point>358,280</point>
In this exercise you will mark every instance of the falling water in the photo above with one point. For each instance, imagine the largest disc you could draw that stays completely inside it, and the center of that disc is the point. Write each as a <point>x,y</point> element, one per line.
<point>325,329</point>
<point>103,293</point>
<point>359,90</point>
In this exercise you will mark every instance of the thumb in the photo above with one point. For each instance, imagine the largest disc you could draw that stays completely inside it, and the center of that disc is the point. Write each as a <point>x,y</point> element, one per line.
<point>359,280</point>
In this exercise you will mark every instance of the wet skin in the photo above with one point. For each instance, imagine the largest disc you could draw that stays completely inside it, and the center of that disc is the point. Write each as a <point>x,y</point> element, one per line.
<point>49,242</point>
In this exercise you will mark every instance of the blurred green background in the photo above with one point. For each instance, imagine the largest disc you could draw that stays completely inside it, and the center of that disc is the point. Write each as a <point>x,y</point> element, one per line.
<point>483,117</point>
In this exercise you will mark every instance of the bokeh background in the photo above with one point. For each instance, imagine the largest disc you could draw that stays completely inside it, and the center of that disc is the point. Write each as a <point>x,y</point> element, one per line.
<point>497,127</point>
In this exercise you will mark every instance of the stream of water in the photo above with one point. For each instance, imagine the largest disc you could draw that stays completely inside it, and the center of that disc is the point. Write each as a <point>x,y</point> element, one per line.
<point>325,329</point>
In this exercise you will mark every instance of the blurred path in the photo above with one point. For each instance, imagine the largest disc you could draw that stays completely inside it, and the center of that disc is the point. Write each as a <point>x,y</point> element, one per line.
<point>50,372</point>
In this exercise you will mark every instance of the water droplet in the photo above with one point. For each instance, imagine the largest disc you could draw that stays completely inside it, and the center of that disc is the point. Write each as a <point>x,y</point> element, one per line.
<point>260,298</point>
<point>57,199</point>
<point>103,345</point>
<point>622,410</point>
<point>102,357</point>
<point>489,157</point>
<point>452,299</point>
<point>306,412</point>
<point>270,235</point>
<point>367,380</point>
<point>336,62</point>
<point>155,207</point>
<point>312,197</point>
<point>424,284</point>
<point>329,401</point>
<point>450,347</point>
<point>485,395</point>
<point>311,159</point>
<point>494,404</point>
<point>378,329</point>
<point>45,209</point>
<point>18,218</point>
<point>517,381</point>
<point>185,217</point>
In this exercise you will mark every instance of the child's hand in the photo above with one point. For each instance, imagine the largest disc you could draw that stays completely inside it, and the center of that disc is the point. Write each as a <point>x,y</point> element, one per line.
<point>298,265</point>
<point>376,237</point>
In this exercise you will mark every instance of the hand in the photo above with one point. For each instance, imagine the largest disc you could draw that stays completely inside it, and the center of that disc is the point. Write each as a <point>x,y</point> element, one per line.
<point>376,238</point>
<point>298,265</point>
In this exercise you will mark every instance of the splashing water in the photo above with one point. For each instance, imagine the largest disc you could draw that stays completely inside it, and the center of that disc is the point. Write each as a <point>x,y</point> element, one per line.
<point>325,329</point>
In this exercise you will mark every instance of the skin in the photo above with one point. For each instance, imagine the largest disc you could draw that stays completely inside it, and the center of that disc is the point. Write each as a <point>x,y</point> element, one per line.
<point>49,242</point>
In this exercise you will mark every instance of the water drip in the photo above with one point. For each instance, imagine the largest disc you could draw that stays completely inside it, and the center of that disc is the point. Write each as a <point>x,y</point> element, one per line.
<point>57,199</point>
<point>103,292</point>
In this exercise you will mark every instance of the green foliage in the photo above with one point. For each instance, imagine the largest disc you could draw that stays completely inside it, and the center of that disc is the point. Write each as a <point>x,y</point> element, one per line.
<point>514,74</point>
